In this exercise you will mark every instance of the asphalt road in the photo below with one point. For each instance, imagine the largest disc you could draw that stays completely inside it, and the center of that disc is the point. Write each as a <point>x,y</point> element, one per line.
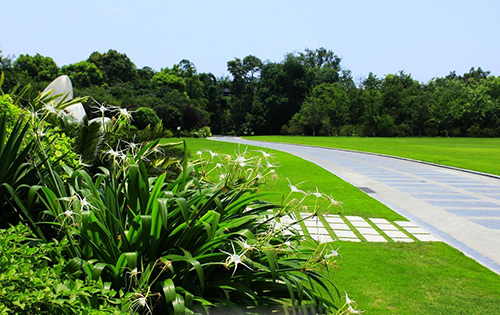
<point>457,207</point>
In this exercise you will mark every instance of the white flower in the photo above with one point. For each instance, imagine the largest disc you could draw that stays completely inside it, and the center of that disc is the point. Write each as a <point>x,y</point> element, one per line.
<point>141,301</point>
<point>348,300</point>
<point>333,253</point>
<point>235,258</point>
<point>270,165</point>
<point>241,161</point>
<point>317,193</point>
<point>212,154</point>
<point>334,202</point>
<point>265,154</point>
<point>199,152</point>
<point>125,113</point>
<point>133,275</point>
<point>245,245</point>
<point>294,189</point>
<point>351,310</point>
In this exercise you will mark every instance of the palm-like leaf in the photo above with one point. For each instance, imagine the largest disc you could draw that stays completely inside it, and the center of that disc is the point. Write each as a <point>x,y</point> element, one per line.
<point>15,169</point>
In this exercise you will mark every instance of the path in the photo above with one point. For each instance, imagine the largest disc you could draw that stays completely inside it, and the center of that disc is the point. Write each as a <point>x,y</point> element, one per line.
<point>459,208</point>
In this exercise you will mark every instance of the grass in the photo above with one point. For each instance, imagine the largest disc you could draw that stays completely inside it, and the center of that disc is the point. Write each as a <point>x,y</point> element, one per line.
<point>387,278</point>
<point>478,154</point>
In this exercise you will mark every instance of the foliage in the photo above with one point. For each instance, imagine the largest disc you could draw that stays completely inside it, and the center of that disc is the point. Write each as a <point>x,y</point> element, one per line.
<point>83,74</point>
<point>177,246</point>
<point>31,281</point>
<point>145,116</point>
<point>263,97</point>
<point>15,170</point>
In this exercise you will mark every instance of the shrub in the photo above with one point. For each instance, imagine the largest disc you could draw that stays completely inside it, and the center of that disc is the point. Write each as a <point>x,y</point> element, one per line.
<point>189,245</point>
<point>33,282</point>
<point>144,116</point>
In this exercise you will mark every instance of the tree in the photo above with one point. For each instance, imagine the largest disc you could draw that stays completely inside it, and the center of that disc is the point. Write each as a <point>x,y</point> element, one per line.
<point>83,74</point>
<point>36,69</point>
<point>283,88</point>
<point>245,75</point>
<point>116,67</point>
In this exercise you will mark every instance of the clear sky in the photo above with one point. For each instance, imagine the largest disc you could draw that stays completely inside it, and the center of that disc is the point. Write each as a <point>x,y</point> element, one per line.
<point>425,38</point>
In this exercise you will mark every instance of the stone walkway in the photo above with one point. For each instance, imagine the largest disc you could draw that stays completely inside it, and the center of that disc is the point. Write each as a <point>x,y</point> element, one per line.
<point>457,207</point>
<point>329,228</point>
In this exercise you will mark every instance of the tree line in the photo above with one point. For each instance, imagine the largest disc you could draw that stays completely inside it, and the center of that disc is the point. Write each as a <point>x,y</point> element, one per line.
<point>306,93</point>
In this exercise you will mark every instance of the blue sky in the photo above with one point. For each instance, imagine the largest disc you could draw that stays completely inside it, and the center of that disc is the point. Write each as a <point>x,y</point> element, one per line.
<point>426,38</point>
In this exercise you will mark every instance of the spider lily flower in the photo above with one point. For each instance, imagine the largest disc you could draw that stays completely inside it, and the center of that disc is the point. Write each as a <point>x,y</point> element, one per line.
<point>123,112</point>
<point>245,245</point>
<point>317,194</point>
<point>67,215</point>
<point>351,310</point>
<point>241,161</point>
<point>51,108</point>
<point>294,189</point>
<point>265,154</point>
<point>235,259</point>
<point>141,301</point>
<point>334,202</point>
<point>133,275</point>
<point>334,253</point>
<point>348,300</point>
<point>212,154</point>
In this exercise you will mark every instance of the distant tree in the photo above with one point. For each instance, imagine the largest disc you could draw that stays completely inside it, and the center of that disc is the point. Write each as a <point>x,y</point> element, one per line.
<point>83,74</point>
<point>116,67</point>
<point>193,118</point>
<point>166,81</point>
<point>36,69</point>
<point>283,88</point>
<point>245,76</point>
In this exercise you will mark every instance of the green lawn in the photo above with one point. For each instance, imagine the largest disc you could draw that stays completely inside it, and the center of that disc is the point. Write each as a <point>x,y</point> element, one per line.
<point>387,278</point>
<point>479,154</point>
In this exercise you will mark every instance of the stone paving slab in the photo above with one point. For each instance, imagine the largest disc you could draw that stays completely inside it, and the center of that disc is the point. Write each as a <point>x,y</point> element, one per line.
<point>415,230</point>
<point>333,219</point>
<point>378,220</point>
<point>340,226</point>
<point>395,234</point>
<point>359,224</point>
<point>387,227</point>
<point>349,234</point>
<point>352,218</point>
<point>370,231</point>
<point>375,238</point>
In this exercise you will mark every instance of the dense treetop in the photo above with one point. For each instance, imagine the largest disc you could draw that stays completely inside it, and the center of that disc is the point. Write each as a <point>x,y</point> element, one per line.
<point>306,93</point>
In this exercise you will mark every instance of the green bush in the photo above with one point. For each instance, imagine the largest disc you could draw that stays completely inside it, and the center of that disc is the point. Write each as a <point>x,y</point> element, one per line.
<point>32,280</point>
<point>144,116</point>
<point>190,245</point>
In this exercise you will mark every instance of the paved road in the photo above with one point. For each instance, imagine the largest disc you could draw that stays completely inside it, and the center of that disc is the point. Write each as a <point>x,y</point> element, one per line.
<point>460,208</point>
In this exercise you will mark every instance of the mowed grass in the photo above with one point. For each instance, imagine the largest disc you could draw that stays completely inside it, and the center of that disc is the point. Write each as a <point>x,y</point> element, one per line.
<point>478,154</point>
<point>386,278</point>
